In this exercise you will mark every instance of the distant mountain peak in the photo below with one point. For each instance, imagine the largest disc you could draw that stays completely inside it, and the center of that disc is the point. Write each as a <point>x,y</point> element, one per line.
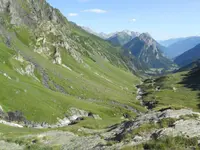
<point>103,35</point>
<point>91,31</point>
<point>131,33</point>
<point>146,37</point>
<point>127,32</point>
<point>146,34</point>
<point>148,52</point>
<point>122,37</point>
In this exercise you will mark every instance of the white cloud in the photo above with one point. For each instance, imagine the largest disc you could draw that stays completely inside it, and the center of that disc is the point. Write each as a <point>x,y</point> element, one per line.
<point>72,14</point>
<point>98,11</point>
<point>132,20</point>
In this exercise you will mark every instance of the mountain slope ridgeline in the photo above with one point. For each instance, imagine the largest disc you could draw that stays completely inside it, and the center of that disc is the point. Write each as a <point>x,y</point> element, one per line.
<point>188,57</point>
<point>49,66</point>
<point>148,52</point>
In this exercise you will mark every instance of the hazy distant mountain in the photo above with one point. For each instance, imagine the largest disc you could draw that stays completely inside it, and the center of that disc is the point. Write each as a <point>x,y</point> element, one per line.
<point>148,52</point>
<point>123,37</point>
<point>117,38</point>
<point>88,30</point>
<point>169,42</point>
<point>182,46</point>
<point>189,56</point>
<point>101,35</point>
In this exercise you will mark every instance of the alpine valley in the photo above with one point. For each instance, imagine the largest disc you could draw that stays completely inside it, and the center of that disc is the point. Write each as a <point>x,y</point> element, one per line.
<point>66,87</point>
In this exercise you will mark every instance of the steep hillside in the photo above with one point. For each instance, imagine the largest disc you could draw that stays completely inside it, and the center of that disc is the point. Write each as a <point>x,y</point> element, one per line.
<point>123,37</point>
<point>182,46</point>
<point>148,52</point>
<point>195,64</point>
<point>188,57</point>
<point>51,67</point>
<point>178,90</point>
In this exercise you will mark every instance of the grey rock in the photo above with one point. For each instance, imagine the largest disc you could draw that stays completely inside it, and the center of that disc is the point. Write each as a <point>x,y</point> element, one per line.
<point>186,128</point>
<point>57,57</point>
<point>10,146</point>
<point>69,141</point>
<point>158,88</point>
<point>98,138</point>
<point>137,138</point>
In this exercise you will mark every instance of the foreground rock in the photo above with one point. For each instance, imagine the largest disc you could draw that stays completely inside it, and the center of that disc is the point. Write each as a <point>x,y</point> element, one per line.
<point>185,123</point>
<point>180,127</point>
<point>10,146</point>
<point>186,128</point>
<point>69,141</point>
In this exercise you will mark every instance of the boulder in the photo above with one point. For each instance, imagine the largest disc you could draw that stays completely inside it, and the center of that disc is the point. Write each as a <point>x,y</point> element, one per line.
<point>29,70</point>
<point>137,138</point>
<point>158,88</point>
<point>139,97</point>
<point>174,89</point>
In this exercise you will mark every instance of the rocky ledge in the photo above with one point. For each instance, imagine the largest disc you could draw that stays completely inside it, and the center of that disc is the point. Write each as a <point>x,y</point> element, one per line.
<point>16,119</point>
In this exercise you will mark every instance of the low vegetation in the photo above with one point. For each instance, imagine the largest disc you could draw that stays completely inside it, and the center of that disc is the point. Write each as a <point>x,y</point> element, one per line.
<point>172,91</point>
<point>166,143</point>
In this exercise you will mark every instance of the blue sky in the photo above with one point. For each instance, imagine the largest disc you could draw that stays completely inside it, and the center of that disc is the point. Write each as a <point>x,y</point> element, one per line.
<point>163,19</point>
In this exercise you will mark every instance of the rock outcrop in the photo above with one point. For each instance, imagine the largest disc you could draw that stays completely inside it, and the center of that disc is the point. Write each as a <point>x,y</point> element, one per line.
<point>73,116</point>
<point>180,127</point>
<point>57,57</point>
<point>185,128</point>
<point>117,134</point>
<point>47,29</point>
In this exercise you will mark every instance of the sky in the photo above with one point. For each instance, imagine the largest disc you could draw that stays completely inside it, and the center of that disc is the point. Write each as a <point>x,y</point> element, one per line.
<point>163,19</point>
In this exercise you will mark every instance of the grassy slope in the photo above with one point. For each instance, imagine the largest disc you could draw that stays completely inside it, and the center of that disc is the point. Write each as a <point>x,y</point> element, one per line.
<point>91,86</point>
<point>41,104</point>
<point>184,96</point>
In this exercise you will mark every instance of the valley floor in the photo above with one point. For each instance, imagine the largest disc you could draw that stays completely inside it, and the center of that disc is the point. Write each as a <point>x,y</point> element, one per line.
<point>168,120</point>
<point>163,126</point>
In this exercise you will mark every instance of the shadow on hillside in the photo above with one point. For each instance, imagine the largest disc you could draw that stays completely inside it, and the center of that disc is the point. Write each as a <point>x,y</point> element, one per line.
<point>199,100</point>
<point>192,80</point>
<point>159,81</point>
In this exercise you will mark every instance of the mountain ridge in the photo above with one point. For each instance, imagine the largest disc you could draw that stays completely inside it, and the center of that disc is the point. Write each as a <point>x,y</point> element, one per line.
<point>122,37</point>
<point>148,51</point>
<point>188,57</point>
<point>171,41</point>
<point>182,46</point>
